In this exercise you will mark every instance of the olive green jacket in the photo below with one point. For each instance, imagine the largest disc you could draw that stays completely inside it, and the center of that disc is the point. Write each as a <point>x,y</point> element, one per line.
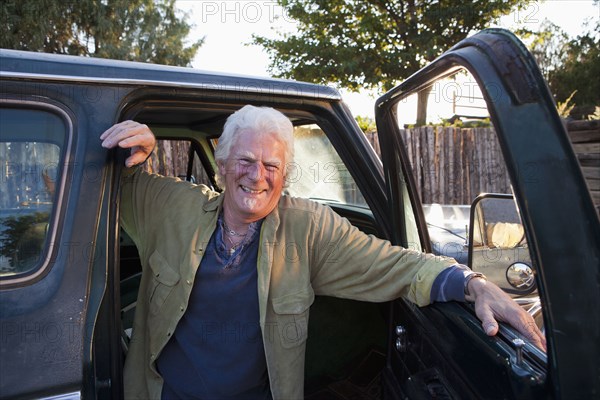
<point>305,249</point>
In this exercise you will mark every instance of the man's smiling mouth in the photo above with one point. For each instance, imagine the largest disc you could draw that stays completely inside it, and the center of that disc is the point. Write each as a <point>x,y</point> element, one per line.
<point>248,190</point>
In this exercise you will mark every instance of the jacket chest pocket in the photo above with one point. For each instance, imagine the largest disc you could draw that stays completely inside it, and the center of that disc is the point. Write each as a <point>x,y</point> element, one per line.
<point>291,313</point>
<point>164,279</point>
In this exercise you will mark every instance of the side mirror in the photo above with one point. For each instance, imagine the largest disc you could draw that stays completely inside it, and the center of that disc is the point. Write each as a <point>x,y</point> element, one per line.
<point>497,244</point>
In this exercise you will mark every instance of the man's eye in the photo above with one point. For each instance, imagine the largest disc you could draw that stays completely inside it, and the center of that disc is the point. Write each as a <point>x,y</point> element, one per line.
<point>270,167</point>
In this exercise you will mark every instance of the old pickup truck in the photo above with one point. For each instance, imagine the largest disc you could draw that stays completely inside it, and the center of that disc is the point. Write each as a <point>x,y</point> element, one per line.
<point>69,274</point>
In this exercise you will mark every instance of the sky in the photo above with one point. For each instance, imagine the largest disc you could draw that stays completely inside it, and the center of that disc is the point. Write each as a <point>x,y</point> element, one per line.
<point>228,25</point>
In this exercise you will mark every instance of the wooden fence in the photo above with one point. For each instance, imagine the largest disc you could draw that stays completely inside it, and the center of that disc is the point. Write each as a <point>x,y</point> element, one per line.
<point>171,157</point>
<point>585,137</point>
<point>452,165</point>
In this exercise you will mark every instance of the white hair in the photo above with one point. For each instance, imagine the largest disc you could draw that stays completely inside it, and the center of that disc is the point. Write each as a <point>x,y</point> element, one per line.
<point>255,119</point>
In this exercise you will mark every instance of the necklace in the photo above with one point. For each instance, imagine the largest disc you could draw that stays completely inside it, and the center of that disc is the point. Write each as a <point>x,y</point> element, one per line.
<point>231,232</point>
<point>234,245</point>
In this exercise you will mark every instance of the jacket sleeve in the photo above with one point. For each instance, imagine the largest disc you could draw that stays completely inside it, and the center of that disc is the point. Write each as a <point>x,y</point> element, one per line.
<point>145,202</point>
<point>348,263</point>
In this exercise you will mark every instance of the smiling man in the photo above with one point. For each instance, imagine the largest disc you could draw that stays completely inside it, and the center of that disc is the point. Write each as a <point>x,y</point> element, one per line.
<point>252,168</point>
<point>221,314</point>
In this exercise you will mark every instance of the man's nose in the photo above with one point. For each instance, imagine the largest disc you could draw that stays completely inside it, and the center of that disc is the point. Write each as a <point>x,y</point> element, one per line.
<point>256,171</point>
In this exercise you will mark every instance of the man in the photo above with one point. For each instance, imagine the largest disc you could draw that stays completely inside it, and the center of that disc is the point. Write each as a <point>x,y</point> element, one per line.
<point>213,261</point>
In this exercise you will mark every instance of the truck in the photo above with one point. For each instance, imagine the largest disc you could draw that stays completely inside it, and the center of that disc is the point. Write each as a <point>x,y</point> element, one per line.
<point>69,274</point>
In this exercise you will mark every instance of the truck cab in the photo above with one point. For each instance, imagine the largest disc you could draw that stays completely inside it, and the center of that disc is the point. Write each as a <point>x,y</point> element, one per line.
<point>69,274</point>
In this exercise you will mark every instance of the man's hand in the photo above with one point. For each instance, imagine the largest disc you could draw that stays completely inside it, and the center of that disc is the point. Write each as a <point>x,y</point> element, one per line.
<point>492,305</point>
<point>130,135</point>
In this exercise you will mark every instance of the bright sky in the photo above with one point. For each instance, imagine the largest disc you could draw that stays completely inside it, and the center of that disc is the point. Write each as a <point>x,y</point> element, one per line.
<point>228,25</point>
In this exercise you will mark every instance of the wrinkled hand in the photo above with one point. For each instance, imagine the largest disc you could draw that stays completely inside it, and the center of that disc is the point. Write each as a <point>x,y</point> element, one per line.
<point>493,305</point>
<point>130,135</point>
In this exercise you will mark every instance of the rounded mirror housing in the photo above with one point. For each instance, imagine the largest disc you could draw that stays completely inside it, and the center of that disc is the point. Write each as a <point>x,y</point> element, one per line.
<point>520,276</point>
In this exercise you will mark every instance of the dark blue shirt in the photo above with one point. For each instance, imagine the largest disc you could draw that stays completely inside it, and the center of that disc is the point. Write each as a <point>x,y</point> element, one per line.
<point>217,350</point>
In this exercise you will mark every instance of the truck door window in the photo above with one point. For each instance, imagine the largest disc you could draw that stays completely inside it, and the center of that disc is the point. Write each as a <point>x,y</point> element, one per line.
<point>455,158</point>
<point>31,150</point>
<point>318,172</point>
<point>177,158</point>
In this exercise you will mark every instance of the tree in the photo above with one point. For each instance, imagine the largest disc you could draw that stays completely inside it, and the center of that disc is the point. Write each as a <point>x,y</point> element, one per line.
<point>366,124</point>
<point>374,43</point>
<point>140,30</point>
<point>547,45</point>
<point>579,73</point>
<point>571,66</point>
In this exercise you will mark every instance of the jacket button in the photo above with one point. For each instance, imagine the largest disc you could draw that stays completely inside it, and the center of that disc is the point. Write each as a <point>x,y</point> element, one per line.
<point>181,308</point>
<point>152,356</point>
<point>189,282</point>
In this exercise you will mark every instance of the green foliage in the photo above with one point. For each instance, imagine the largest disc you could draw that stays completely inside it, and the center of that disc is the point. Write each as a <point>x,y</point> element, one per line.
<point>461,123</point>
<point>366,124</point>
<point>579,71</point>
<point>571,66</point>
<point>564,108</point>
<point>474,123</point>
<point>139,30</point>
<point>373,43</point>
<point>547,44</point>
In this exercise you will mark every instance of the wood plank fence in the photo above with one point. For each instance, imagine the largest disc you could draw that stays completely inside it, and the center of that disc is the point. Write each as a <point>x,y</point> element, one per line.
<point>452,165</point>
<point>170,158</point>
<point>585,137</point>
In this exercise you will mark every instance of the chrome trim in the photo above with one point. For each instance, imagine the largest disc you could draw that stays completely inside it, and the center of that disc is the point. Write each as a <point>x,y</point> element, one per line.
<point>51,239</point>
<point>283,87</point>
<point>529,348</point>
<point>66,396</point>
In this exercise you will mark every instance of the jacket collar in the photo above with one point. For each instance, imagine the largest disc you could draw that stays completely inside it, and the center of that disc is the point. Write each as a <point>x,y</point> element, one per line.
<point>214,202</point>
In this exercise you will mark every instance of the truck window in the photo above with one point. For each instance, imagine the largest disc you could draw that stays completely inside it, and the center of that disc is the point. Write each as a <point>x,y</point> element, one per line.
<point>454,159</point>
<point>318,172</point>
<point>177,158</point>
<point>31,150</point>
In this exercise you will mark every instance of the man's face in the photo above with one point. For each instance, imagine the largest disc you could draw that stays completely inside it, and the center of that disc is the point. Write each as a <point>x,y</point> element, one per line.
<point>254,176</point>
